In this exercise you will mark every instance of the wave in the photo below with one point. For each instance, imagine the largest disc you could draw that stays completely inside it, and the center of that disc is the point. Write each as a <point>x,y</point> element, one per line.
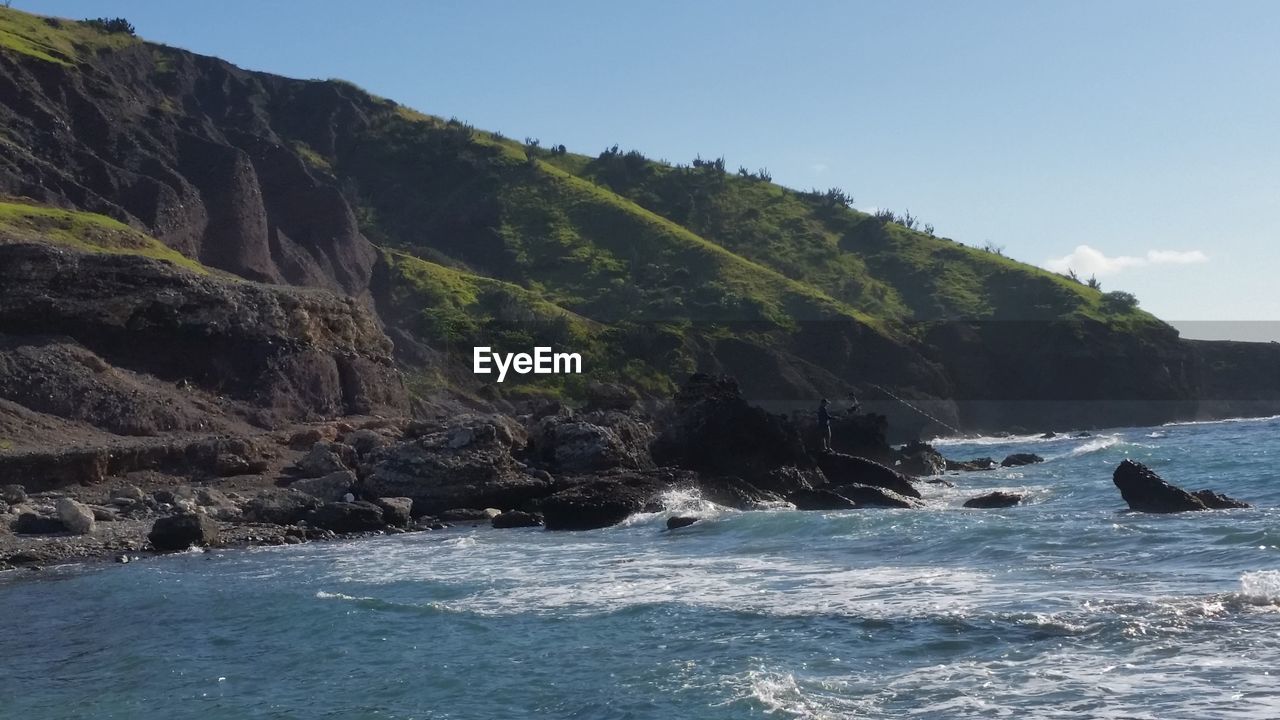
<point>1096,444</point>
<point>1261,587</point>
<point>1223,421</point>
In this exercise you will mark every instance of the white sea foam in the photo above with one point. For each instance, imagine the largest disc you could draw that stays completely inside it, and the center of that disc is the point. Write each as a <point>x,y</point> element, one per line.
<point>1094,445</point>
<point>1269,418</point>
<point>1261,587</point>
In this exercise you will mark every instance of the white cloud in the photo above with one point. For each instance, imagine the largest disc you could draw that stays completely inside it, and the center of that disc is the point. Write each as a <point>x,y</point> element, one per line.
<point>1086,260</point>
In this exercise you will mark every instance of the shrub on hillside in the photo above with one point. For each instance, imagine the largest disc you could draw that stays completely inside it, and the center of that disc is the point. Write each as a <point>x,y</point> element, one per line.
<point>1118,301</point>
<point>111,25</point>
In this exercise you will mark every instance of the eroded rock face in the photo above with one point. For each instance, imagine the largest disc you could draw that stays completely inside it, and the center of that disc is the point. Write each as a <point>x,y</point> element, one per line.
<point>469,465</point>
<point>517,519</point>
<point>921,460</point>
<point>841,469</point>
<point>1146,491</point>
<point>296,352</point>
<point>710,428</point>
<point>822,499</point>
<point>1218,501</point>
<point>280,507</point>
<point>347,517</point>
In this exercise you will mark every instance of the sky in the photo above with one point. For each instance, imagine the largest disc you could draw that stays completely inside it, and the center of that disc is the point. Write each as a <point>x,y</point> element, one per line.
<point>1136,141</point>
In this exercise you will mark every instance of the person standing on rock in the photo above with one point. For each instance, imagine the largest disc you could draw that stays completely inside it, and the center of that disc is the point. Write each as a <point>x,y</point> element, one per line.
<point>854,406</point>
<point>824,425</point>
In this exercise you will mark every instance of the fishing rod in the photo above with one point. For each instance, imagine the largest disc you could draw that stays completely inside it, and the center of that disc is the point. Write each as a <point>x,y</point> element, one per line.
<point>913,407</point>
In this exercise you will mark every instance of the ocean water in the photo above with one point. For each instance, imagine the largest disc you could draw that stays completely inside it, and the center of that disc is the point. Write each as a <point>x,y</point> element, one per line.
<point>1064,607</point>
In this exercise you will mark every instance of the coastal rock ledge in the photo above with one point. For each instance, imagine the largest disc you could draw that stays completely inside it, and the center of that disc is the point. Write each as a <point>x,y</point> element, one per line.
<point>1145,491</point>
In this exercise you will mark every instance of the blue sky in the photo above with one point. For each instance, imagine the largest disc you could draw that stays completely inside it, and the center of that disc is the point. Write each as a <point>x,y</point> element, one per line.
<point>1135,140</point>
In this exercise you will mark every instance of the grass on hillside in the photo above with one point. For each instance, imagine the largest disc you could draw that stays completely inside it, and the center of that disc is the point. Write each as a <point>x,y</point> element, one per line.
<point>25,221</point>
<point>65,42</point>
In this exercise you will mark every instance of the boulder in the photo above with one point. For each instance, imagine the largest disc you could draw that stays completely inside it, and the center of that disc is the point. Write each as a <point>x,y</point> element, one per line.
<point>921,460</point>
<point>1218,501</point>
<point>104,514</point>
<point>973,465</point>
<point>1146,491</point>
<point>329,488</point>
<point>601,501</point>
<point>820,500</point>
<point>179,532</point>
<point>870,496</point>
<point>29,523</point>
<point>347,517</point>
<point>997,499</point>
<point>128,493</point>
<point>1020,459</point>
<point>591,442</point>
<point>517,519</point>
<point>841,469</point>
<point>366,442</point>
<point>324,459</point>
<point>13,494</point>
<point>215,503</point>
<point>280,507</point>
<point>396,511</point>
<point>710,428</point>
<point>679,521</point>
<point>76,516</point>
<point>469,466</point>
<point>468,515</point>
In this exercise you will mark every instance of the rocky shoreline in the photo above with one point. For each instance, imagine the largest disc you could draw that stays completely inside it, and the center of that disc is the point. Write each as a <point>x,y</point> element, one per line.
<point>552,467</point>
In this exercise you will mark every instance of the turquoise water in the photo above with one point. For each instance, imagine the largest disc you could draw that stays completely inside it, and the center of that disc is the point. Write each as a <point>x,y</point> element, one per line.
<point>1064,607</point>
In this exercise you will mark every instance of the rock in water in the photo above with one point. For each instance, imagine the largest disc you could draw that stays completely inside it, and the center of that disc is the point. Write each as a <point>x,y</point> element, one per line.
<point>997,499</point>
<point>77,517</point>
<point>869,496</point>
<point>843,469</point>
<point>679,521</point>
<point>1146,491</point>
<point>1218,501</point>
<point>1020,459</point>
<point>820,500</point>
<point>344,517</point>
<point>921,460</point>
<point>973,465</point>
<point>605,500</point>
<point>179,532</point>
<point>517,519</point>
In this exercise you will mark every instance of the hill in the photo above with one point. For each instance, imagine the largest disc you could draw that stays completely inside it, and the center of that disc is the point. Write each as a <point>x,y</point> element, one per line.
<point>457,236</point>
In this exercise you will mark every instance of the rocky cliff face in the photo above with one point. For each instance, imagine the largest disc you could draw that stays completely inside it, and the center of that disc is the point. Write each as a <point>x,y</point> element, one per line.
<point>186,148</point>
<point>113,340</point>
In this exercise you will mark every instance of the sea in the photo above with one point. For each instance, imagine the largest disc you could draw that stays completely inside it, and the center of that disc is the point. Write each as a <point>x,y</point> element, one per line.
<point>1064,607</point>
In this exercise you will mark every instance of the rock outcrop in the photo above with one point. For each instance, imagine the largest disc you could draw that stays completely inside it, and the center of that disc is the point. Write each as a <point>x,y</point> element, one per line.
<point>1021,459</point>
<point>1146,491</point>
<point>604,500</point>
<point>841,469</point>
<point>179,532</point>
<point>997,499</point>
<point>589,442</point>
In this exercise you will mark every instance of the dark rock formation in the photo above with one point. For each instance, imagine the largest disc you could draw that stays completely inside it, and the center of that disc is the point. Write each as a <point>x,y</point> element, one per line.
<point>710,428</point>
<point>606,500</point>
<point>869,496</point>
<point>347,517</point>
<point>921,460</point>
<point>973,465</point>
<point>1218,501</point>
<point>1020,459</point>
<point>843,469</point>
<point>179,532</point>
<point>329,488</point>
<point>735,493</point>
<point>997,499</point>
<point>517,519</point>
<point>820,500</point>
<point>679,521</point>
<point>29,523</point>
<point>1146,491</point>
